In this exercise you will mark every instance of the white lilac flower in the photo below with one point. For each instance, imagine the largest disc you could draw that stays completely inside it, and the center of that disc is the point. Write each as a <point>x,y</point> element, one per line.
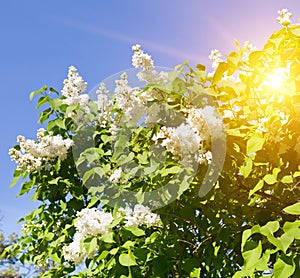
<point>182,141</point>
<point>74,252</point>
<point>105,106</point>
<point>73,87</point>
<point>216,57</point>
<point>40,134</point>
<point>141,59</point>
<point>197,122</point>
<point>127,100</point>
<point>284,17</point>
<point>74,84</point>
<point>116,176</point>
<point>211,118</point>
<point>103,97</point>
<point>139,215</point>
<point>248,47</point>
<point>188,141</point>
<point>147,73</point>
<point>32,154</point>
<point>91,222</point>
<point>228,114</point>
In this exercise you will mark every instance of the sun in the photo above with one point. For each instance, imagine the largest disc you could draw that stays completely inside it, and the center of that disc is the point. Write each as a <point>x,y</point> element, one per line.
<point>277,79</point>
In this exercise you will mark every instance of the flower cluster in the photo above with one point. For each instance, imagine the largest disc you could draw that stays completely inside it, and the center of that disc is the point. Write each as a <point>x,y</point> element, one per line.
<point>213,123</point>
<point>144,61</point>
<point>216,57</point>
<point>141,59</point>
<point>182,141</point>
<point>30,226</point>
<point>188,141</point>
<point>93,222</point>
<point>74,251</point>
<point>32,154</point>
<point>73,86</point>
<point>248,48</point>
<point>127,100</point>
<point>139,215</point>
<point>105,106</point>
<point>284,17</point>
<point>116,176</point>
<point>89,222</point>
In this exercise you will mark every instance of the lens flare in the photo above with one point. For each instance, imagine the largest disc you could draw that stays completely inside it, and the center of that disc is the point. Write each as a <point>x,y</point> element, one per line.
<point>277,79</point>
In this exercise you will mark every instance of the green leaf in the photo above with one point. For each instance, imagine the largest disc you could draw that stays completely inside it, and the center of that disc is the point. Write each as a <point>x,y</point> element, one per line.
<point>221,69</point>
<point>127,259</point>
<point>255,143</point>
<point>42,100</point>
<point>195,273</point>
<point>44,115</point>
<point>293,209</point>
<point>17,176</point>
<point>287,179</point>
<point>283,269</point>
<point>257,187</point>
<point>90,245</point>
<point>160,266</point>
<point>172,170</point>
<point>49,236</point>
<point>60,123</point>
<point>295,30</point>
<point>99,171</point>
<point>128,244</point>
<point>255,57</point>
<point>247,233</point>
<point>251,253</point>
<point>296,174</point>
<point>108,237</point>
<point>172,75</point>
<point>70,109</point>
<point>270,179</point>
<point>286,240</point>
<point>292,228</point>
<point>114,251</point>
<point>136,231</point>
<point>262,264</point>
<point>245,169</point>
<point>93,201</point>
<point>32,94</point>
<point>270,228</point>
<point>87,175</point>
<point>26,186</point>
<point>53,91</point>
<point>54,181</point>
<point>143,158</point>
<point>148,170</point>
<point>55,258</point>
<point>105,138</point>
<point>200,67</point>
<point>103,255</point>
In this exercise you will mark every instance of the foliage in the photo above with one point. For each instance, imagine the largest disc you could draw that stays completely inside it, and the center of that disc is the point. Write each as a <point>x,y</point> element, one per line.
<point>246,226</point>
<point>8,266</point>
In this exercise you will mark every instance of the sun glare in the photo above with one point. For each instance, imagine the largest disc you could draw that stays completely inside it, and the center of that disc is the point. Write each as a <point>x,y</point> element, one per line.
<point>276,80</point>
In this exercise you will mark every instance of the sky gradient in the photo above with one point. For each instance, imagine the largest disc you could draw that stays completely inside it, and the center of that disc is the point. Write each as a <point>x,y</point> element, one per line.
<point>39,41</point>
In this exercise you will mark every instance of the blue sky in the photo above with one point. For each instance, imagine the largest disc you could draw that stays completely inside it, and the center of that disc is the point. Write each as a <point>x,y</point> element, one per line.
<point>40,39</point>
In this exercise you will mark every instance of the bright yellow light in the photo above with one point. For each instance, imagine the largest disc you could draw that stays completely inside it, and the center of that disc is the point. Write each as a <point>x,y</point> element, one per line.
<point>277,79</point>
